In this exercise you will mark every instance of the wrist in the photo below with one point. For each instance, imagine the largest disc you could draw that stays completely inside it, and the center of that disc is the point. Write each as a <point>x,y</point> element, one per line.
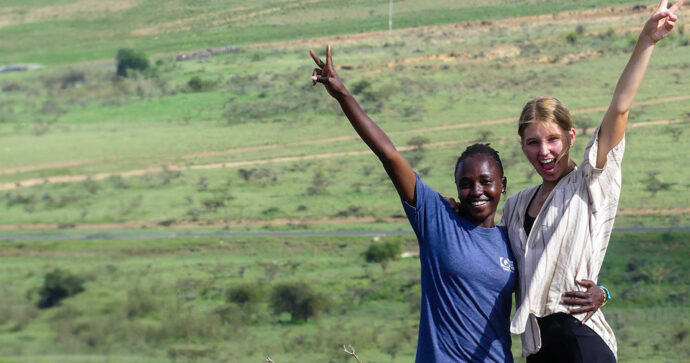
<point>344,95</point>
<point>607,294</point>
<point>645,41</point>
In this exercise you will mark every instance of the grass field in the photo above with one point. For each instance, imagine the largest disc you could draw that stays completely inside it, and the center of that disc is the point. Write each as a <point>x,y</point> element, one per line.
<point>82,147</point>
<point>166,299</point>
<point>254,147</point>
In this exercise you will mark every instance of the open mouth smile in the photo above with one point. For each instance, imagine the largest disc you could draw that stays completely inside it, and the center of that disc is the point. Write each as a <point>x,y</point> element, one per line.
<point>548,165</point>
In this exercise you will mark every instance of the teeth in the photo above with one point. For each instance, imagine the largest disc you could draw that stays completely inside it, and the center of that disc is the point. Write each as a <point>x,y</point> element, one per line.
<point>479,203</point>
<point>546,161</point>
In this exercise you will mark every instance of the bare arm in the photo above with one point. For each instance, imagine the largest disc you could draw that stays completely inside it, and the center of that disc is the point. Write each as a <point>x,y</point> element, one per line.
<point>396,166</point>
<point>616,117</point>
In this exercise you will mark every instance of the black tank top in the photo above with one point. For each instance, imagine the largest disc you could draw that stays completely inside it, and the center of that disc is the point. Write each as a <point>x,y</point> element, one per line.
<point>529,220</point>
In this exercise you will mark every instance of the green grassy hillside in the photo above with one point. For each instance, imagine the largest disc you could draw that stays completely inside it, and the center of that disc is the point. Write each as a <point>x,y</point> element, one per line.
<point>63,32</point>
<point>241,141</point>
<point>248,143</point>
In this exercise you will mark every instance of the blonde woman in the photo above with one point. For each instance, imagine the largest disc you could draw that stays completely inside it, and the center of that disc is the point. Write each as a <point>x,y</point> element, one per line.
<point>559,230</point>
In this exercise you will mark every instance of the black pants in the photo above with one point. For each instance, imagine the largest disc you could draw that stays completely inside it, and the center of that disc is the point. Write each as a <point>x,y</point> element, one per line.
<point>565,339</point>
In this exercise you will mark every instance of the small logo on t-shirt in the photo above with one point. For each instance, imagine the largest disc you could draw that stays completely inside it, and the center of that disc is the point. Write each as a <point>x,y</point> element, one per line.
<point>506,264</point>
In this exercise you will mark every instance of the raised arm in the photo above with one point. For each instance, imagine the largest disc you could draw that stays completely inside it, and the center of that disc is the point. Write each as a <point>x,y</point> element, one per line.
<point>396,166</point>
<point>613,125</point>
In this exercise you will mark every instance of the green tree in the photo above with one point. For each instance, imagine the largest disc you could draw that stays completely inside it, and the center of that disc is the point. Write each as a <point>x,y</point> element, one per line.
<point>57,285</point>
<point>298,299</point>
<point>383,252</point>
<point>130,59</point>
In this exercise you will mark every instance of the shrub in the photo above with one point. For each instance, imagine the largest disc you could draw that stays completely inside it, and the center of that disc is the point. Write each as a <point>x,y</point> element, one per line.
<point>130,59</point>
<point>351,210</point>
<point>261,176</point>
<point>72,78</point>
<point>245,295</point>
<point>580,29</point>
<point>654,185</point>
<point>297,299</point>
<point>382,252</point>
<point>360,86</point>
<point>418,142</point>
<point>319,183</point>
<point>195,84</point>
<point>572,37</point>
<point>57,285</point>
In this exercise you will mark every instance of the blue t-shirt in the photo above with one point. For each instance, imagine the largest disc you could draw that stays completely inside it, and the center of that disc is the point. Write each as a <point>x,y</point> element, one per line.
<point>468,277</point>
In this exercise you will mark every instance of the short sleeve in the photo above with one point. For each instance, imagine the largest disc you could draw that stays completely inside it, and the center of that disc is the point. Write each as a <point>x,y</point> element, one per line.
<point>428,202</point>
<point>604,184</point>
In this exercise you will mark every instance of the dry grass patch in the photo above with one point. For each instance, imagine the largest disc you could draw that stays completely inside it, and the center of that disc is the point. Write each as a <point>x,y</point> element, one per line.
<point>78,9</point>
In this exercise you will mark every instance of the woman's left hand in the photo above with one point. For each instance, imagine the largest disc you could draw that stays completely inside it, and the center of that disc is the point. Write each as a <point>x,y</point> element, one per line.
<point>453,204</point>
<point>588,301</point>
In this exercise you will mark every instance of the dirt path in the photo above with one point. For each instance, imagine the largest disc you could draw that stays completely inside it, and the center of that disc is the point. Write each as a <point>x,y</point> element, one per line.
<point>226,16</point>
<point>235,164</point>
<point>65,164</point>
<point>55,165</point>
<point>600,14</point>
<point>277,222</point>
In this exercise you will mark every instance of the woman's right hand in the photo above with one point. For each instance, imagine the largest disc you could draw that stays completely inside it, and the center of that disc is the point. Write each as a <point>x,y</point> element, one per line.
<point>326,75</point>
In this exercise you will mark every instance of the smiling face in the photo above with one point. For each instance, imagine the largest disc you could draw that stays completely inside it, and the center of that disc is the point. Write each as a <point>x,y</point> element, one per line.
<point>480,183</point>
<point>547,147</point>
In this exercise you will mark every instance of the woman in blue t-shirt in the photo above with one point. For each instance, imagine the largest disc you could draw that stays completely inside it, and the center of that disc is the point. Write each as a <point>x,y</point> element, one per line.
<point>467,267</point>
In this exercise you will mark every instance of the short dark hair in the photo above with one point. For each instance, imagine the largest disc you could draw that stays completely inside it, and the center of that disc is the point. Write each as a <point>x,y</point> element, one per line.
<point>477,149</point>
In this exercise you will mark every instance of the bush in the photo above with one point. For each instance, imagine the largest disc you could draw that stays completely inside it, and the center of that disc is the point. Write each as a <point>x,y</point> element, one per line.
<point>319,183</point>
<point>572,37</point>
<point>360,86</point>
<point>245,295</point>
<point>130,59</point>
<point>72,78</point>
<point>382,252</point>
<point>418,142</point>
<point>298,299</point>
<point>195,84</point>
<point>58,285</point>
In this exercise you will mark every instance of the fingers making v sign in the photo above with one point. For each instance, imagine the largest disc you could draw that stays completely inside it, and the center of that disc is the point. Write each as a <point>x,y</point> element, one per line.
<point>662,21</point>
<point>326,75</point>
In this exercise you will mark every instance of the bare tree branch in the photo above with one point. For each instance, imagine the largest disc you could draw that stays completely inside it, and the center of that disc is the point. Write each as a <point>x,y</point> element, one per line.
<point>351,351</point>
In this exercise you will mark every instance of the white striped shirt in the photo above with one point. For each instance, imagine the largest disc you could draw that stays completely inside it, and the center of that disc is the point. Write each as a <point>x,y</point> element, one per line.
<point>568,241</point>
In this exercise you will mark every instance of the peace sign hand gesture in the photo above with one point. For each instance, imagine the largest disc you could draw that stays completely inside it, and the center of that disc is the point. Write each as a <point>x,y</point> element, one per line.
<point>662,21</point>
<point>326,75</point>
